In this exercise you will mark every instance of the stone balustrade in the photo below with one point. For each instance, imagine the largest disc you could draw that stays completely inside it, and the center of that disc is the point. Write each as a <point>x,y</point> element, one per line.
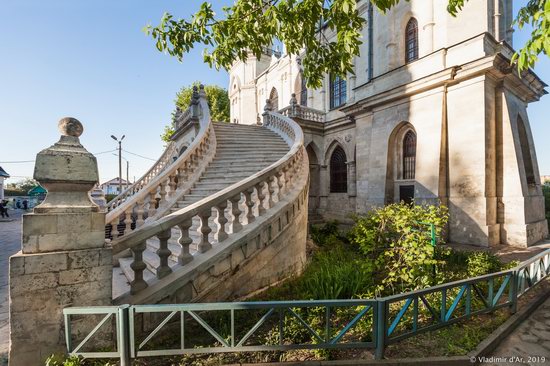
<point>164,161</point>
<point>232,210</point>
<point>295,110</point>
<point>150,197</point>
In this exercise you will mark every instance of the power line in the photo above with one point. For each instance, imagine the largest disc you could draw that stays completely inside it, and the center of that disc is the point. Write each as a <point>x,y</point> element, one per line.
<point>32,161</point>
<point>141,156</point>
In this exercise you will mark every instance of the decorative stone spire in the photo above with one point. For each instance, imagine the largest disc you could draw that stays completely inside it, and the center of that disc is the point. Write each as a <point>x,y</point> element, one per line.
<point>67,171</point>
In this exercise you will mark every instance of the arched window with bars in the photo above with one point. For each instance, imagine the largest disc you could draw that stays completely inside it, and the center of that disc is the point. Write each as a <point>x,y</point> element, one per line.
<point>338,171</point>
<point>409,155</point>
<point>411,40</point>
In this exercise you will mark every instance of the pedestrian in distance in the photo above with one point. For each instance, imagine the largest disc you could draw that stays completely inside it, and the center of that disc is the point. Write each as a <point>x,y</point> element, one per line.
<point>4,209</point>
<point>25,205</point>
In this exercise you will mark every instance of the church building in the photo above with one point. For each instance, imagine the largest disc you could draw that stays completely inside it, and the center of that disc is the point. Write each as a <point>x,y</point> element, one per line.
<point>434,113</point>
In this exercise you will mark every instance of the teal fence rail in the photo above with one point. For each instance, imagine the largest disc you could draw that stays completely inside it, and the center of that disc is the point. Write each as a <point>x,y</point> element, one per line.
<point>264,326</point>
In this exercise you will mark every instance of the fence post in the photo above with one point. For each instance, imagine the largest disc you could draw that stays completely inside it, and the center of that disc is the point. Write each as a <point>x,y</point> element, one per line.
<point>380,329</point>
<point>514,291</point>
<point>123,335</point>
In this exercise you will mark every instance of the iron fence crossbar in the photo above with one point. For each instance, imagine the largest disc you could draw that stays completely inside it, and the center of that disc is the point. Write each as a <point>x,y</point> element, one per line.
<point>391,320</point>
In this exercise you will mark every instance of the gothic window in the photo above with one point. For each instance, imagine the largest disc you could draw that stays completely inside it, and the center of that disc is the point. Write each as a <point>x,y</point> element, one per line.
<point>411,41</point>
<point>338,91</point>
<point>409,155</point>
<point>303,90</point>
<point>274,98</point>
<point>526,152</point>
<point>338,171</point>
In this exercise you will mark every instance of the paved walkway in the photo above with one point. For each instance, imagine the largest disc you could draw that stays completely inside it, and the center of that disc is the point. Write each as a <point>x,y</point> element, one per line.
<point>529,343</point>
<point>10,243</point>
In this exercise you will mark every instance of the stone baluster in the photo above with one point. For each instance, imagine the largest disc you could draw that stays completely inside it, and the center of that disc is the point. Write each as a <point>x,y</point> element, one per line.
<point>249,202</point>
<point>221,220</point>
<point>185,241</point>
<point>138,266</point>
<point>271,183</point>
<point>140,211</point>
<point>172,185</point>
<point>182,175</point>
<point>236,225</point>
<point>164,253</point>
<point>281,185</point>
<point>128,221</point>
<point>261,198</point>
<point>163,192</point>
<point>205,230</point>
<point>152,204</point>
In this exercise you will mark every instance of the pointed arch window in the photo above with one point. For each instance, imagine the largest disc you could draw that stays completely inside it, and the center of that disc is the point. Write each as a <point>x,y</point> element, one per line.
<point>409,155</point>
<point>411,41</point>
<point>338,171</point>
<point>526,152</point>
<point>303,90</point>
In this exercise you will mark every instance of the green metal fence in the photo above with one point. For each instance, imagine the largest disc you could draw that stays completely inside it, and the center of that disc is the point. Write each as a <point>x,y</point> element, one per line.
<point>387,320</point>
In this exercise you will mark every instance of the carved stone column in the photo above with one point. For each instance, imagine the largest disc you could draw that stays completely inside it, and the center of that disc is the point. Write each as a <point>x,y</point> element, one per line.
<point>352,179</point>
<point>324,187</point>
<point>63,260</point>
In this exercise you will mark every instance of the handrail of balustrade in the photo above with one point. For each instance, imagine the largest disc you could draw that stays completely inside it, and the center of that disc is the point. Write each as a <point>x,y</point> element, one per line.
<point>205,131</point>
<point>151,229</point>
<point>157,167</point>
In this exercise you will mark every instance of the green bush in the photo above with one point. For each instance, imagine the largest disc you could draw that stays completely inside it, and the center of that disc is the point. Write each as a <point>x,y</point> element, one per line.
<point>397,244</point>
<point>327,233</point>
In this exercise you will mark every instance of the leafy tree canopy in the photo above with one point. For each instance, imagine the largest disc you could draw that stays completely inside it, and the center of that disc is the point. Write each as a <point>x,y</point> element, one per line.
<point>251,26</point>
<point>23,186</point>
<point>218,101</point>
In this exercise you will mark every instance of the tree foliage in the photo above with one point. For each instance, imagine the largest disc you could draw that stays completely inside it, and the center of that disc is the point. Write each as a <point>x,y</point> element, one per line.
<point>218,102</point>
<point>250,26</point>
<point>23,186</point>
<point>396,241</point>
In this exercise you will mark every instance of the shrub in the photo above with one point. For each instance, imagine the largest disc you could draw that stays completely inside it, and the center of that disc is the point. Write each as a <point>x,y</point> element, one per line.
<point>325,234</point>
<point>397,244</point>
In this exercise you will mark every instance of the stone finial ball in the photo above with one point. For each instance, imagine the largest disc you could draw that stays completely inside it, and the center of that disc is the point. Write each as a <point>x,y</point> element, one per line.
<point>69,126</point>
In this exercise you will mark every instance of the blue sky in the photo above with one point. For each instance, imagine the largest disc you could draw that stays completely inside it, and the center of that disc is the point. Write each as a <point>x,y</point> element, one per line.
<point>90,60</point>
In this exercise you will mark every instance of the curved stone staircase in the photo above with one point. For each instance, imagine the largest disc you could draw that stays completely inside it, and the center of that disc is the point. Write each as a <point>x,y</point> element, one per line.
<point>242,150</point>
<point>232,206</point>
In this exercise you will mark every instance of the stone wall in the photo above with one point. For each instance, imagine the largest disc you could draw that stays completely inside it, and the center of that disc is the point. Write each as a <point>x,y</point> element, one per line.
<point>41,285</point>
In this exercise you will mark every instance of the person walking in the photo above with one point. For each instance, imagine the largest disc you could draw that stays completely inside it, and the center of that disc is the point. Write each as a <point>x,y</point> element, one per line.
<point>4,209</point>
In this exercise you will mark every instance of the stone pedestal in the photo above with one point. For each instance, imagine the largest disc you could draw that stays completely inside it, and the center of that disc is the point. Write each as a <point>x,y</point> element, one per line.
<point>63,261</point>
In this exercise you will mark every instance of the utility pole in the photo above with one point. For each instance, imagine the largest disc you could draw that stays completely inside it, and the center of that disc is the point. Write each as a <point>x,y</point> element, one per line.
<point>127,174</point>
<point>119,161</point>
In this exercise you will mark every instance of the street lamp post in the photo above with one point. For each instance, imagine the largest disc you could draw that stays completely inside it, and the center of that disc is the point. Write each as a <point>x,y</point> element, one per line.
<point>119,161</point>
<point>127,171</point>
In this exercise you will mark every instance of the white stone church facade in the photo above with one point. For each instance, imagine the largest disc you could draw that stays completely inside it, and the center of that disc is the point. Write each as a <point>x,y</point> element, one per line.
<point>434,113</point>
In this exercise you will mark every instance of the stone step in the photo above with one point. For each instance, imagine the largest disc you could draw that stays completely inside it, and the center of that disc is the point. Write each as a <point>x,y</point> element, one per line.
<point>227,159</point>
<point>258,149</point>
<point>263,134</point>
<point>257,141</point>
<point>233,177</point>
